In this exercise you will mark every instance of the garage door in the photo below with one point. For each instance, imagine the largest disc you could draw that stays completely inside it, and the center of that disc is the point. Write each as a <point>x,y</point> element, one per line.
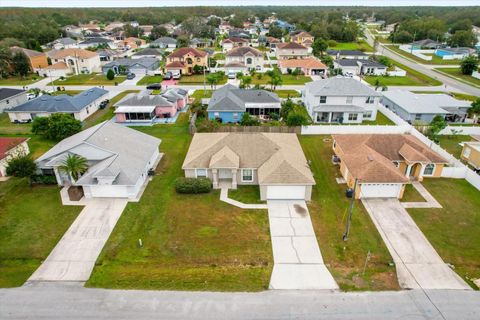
<point>380,190</point>
<point>108,191</point>
<point>285,192</point>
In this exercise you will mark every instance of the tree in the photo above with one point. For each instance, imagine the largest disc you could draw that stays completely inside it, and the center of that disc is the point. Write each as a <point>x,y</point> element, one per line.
<point>296,72</point>
<point>248,120</point>
<point>110,74</point>
<point>245,82</point>
<point>327,60</point>
<point>21,64</point>
<point>438,124</point>
<point>463,38</point>
<point>21,166</point>
<point>319,46</point>
<point>5,62</point>
<point>275,78</point>
<point>56,127</point>
<point>468,65</point>
<point>40,125</point>
<point>275,31</point>
<point>402,37</point>
<point>296,119</point>
<point>464,24</point>
<point>214,22</point>
<point>287,107</point>
<point>74,165</point>
<point>474,110</point>
<point>183,41</point>
<point>158,32</point>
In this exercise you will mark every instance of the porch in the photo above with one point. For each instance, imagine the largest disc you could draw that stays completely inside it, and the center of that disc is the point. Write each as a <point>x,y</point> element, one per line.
<point>224,178</point>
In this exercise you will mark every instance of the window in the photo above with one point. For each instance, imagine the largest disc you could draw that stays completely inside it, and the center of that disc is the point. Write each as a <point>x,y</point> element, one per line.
<point>349,100</point>
<point>235,116</point>
<point>216,114</point>
<point>352,116</point>
<point>323,99</point>
<point>367,114</point>
<point>8,101</point>
<point>201,173</point>
<point>370,100</point>
<point>249,60</point>
<point>418,116</point>
<point>428,171</point>
<point>198,59</point>
<point>466,152</point>
<point>247,175</point>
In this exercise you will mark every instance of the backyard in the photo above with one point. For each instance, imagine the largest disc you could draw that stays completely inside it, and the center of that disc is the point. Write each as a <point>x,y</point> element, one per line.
<point>20,81</point>
<point>88,79</point>
<point>361,45</point>
<point>456,73</point>
<point>454,230</point>
<point>146,80</point>
<point>287,79</point>
<point>199,79</point>
<point>435,59</point>
<point>328,210</point>
<point>189,242</point>
<point>451,143</point>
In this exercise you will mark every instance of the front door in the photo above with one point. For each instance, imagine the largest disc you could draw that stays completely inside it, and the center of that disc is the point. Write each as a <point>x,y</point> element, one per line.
<point>224,173</point>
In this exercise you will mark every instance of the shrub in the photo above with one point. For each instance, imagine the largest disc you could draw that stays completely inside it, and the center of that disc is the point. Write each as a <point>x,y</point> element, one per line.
<point>110,74</point>
<point>193,185</point>
<point>332,43</point>
<point>21,166</point>
<point>42,179</point>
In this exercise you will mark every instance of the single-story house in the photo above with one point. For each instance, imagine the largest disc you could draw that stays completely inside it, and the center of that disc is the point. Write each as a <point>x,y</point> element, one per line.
<point>11,148</point>
<point>200,43</point>
<point>340,100</point>
<point>360,67</point>
<point>58,69</point>
<point>145,107</point>
<point>413,107</point>
<point>119,160</point>
<point>274,161</point>
<point>63,43</point>
<point>148,53</point>
<point>471,153</point>
<point>425,44</point>
<point>166,43</point>
<point>80,106</point>
<point>308,66</point>
<point>229,103</point>
<point>348,54</point>
<point>10,98</point>
<point>454,53</point>
<point>137,66</point>
<point>291,50</point>
<point>382,164</point>
<point>97,41</point>
<point>272,42</point>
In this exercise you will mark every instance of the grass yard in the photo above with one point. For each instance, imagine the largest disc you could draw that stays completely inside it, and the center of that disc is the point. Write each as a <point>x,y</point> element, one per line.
<point>454,230</point>
<point>200,94</point>
<point>198,79</point>
<point>412,195</point>
<point>219,56</point>
<point>89,79</point>
<point>146,80</point>
<point>328,210</point>
<point>288,79</point>
<point>7,127</point>
<point>456,73</point>
<point>288,94</point>
<point>246,194</point>
<point>32,221</point>
<point>69,92</point>
<point>380,120</point>
<point>359,45</point>
<point>451,143</point>
<point>435,59</point>
<point>190,242</point>
<point>19,81</point>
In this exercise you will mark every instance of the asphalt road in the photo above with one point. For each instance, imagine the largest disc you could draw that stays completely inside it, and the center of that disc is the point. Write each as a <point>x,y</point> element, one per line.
<point>71,301</point>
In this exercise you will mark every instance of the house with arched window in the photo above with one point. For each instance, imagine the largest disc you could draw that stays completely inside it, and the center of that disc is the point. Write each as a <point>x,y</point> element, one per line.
<point>184,60</point>
<point>243,59</point>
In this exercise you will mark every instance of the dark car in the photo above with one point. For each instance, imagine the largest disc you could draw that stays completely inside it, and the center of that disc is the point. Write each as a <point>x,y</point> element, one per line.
<point>104,104</point>
<point>154,86</point>
<point>130,76</point>
<point>168,76</point>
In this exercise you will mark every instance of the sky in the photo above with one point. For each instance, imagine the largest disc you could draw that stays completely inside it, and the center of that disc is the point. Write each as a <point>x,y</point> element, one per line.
<point>173,3</point>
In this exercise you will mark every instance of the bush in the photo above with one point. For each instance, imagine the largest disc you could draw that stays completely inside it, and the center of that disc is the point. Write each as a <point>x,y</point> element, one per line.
<point>21,166</point>
<point>332,43</point>
<point>110,74</point>
<point>42,179</point>
<point>193,185</point>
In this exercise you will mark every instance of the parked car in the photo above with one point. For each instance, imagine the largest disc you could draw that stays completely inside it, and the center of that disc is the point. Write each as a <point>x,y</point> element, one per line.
<point>168,76</point>
<point>104,104</point>
<point>130,76</point>
<point>176,75</point>
<point>232,75</point>
<point>154,86</point>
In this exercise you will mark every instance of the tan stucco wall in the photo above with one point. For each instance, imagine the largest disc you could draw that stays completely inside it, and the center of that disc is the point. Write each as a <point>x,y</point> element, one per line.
<point>438,170</point>
<point>474,158</point>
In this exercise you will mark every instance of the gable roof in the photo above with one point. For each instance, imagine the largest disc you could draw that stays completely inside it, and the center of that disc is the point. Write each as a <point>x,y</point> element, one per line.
<point>145,62</point>
<point>234,39</point>
<point>340,86</point>
<point>96,40</point>
<point>148,52</point>
<point>179,53</point>
<point>242,51</point>
<point>424,103</point>
<point>72,52</point>
<point>29,53</point>
<point>310,63</point>
<point>6,93</point>
<point>231,98</point>
<point>278,157</point>
<point>165,40</point>
<point>290,45</point>
<point>9,143</point>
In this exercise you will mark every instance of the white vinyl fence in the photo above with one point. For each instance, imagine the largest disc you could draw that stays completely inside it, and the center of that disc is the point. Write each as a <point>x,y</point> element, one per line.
<point>466,130</point>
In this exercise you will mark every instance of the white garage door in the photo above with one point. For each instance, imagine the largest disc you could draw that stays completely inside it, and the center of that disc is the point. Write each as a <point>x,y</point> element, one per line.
<point>285,192</point>
<point>108,192</point>
<point>380,190</point>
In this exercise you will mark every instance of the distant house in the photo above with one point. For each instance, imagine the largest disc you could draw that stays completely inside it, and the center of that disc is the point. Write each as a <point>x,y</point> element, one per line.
<point>242,59</point>
<point>272,42</point>
<point>166,43</point>
<point>80,106</point>
<point>348,54</point>
<point>131,43</point>
<point>136,66</point>
<point>96,42</point>
<point>471,154</point>
<point>145,108</point>
<point>284,25</point>
<point>340,100</point>
<point>230,43</point>
<point>291,50</point>
<point>114,25</point>
<point>63,43</point>
<point>119,160</point>
<point>360,67</point>
<point>303,38</point>
<point>106,55</point>
<point>413,107</point>
<point>184,60</point>
<point>454,53</point>
<point>77,60</point>
<point>11,148</point>
<point>229,103</point>
<point>425,44</point>
<point>238,33</point>
<point>37,60</point>
<point>10,98</point>
<point>308,66</point>
<point>224,27</point>
<point>200,43</point>
<point>147,30</point>
<point>148,53</point>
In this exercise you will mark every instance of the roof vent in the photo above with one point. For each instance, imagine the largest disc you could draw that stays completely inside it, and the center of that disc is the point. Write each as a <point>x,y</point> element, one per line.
<point>370,158</point>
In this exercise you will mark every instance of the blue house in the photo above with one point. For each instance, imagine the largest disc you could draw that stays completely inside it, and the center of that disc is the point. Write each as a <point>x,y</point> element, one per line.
<point>285,25</point>
<point>229,103</point>
<point>454,53</point>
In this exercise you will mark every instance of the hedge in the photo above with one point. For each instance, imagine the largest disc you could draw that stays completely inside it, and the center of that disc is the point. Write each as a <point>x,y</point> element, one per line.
<point>193,185</point>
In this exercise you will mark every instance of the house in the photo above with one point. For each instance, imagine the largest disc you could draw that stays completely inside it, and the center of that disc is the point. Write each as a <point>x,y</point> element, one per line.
<point>145,107</point>
<point>303,38</point>
<point>106,55</point>
<point>229,103</point>
<point>148,53</point>
<point>11,148</point>
<point>131,43</point>
<point>413,107</point>
<point>63,43</point>
<point>184,60</point>
<point>471,154</point>
<point>114,25</point>
<point>119,160</point>
<point>10,98</point>
<point>340,100</point>
<point>230,43</point>
<point>238,33</point>
<point>147,30</point>
<point>97,42</point>
<point>166,43</point>
<point>348,54</point>
<point>200,43</point>
<point>284,25</point>
<point>242,59</point>
<point>454,53</point>
<point>291,50</point>
<point>136,66</point>
<point>77,60</point>
<point>79,106</point>
<point>425,44</point>
<point>58,69</point>
<point>274,161</point>
<point>272,42</point>
<point>308,66</point>
<point>382,164</point>
<point>360,67</point>
<point>224,27</point>
<point>37,60</point>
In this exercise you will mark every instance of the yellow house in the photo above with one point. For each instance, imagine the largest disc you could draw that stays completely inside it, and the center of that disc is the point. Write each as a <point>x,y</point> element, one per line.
<point>303,38</point>
<point>382,164</point>
<point>471,154</point>
<point>185,59</point>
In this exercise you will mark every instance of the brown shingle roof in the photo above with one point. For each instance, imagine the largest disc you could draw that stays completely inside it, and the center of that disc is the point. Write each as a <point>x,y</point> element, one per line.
<point>234,39</point>
<point>175,64</point>
<point>72,52</point>
<point>290,45</point>
<point>310,63</point>
<point>183,51</point>
<point>241,51</point>
<point>27,52</point>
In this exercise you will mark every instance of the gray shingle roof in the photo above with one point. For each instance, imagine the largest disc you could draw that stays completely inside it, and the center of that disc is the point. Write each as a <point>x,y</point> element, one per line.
<point>61,103</point>
<point>346,52</point>
<point>6,93</point>
<point>231,98</point>
<point>165,40</point>
<point>96,40</point>
<point>340,86</point>
<point>146,62</point>
<point>148,52</point>
<point>424,103</point>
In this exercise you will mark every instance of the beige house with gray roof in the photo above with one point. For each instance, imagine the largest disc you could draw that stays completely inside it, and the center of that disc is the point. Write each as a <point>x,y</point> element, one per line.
<point>274,161</point>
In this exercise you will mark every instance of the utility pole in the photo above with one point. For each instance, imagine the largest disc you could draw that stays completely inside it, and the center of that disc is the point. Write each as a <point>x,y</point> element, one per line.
<point>347,228</point>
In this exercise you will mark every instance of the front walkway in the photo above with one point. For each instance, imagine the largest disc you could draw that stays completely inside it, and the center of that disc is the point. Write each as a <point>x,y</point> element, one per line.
<point>430,201</point>
<point>224,197</point>
<point>418,264</point>
<point>298,262</point>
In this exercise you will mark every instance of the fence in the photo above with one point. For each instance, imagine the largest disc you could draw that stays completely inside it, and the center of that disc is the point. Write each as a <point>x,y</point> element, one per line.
<point>192,128</point>
<point>467,130</point>
<point>268,129</point>
<point>354,129</point>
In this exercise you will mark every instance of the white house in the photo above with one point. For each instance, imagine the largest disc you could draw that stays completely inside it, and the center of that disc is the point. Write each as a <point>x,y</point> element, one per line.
<point>10,98</point>
<point>340,100</point>
<point>243,59</point>
<point>233,42</point>
<point>360,67</point>
<point>77,60</point>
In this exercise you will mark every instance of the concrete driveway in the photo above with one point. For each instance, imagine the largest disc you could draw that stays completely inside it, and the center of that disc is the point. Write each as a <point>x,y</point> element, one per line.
<point>75,254</point>
<point>418,264</point>
<point>298,262</point>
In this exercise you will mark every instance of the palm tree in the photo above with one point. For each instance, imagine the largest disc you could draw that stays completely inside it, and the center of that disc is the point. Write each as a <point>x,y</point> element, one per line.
<point>74,165</point>
<point>246,81</point>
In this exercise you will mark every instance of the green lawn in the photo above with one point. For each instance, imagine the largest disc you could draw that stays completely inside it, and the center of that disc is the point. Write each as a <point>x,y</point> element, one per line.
<point>380,120</point>
<point>456,73</point>
<point>361,45</point>
<point>288,79</point>
<point>246,194</point>
<point>219,56</point>
<point>149,80</point>
<point>454,230</point>
<point>288,94</point>
<point>69,92</point>
<point>451,143</point>
<point>32,221</point>
<point>328,210</point>
<point>200,94</point>
<point>19,81</point>
<point>7,127</point>
<point>89,79</point>
<point>412,195</point>
<point>198,79</point>
<point>190,242</point>
<point>435,59</point>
